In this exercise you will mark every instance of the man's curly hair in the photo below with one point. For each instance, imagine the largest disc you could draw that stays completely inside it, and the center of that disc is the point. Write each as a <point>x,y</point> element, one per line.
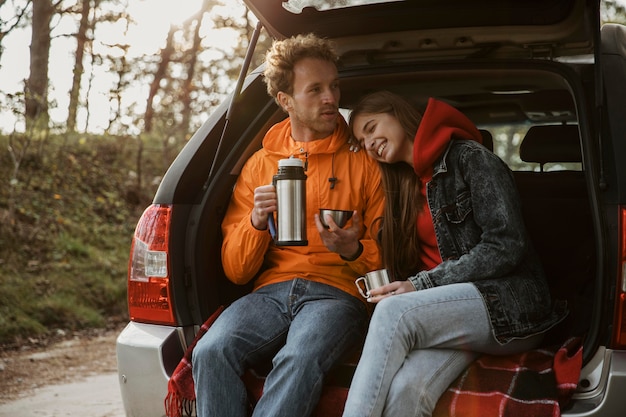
<point>283,55</point>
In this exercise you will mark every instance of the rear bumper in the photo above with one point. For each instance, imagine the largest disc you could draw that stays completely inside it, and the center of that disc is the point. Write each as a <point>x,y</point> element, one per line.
<point>608,398</point>
<point>146,356</point>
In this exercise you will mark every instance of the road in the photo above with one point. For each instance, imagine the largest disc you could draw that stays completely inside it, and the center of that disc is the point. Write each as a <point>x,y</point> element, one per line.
<point>95,396</point>
<point>73,375</point>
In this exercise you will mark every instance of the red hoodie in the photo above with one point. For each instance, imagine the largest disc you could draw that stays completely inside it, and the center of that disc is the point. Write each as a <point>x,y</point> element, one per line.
<point>440,123</point>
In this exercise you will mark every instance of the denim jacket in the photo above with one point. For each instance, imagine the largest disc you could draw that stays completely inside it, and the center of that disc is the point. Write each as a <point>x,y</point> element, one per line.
<point>482,239</point>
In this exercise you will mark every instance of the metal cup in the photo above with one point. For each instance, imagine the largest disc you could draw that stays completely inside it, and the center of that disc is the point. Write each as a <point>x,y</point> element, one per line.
<point>371,280</point>
<point>340,217</point>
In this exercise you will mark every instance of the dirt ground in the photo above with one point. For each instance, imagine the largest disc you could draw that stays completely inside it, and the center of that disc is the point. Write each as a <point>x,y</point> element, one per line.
<point>64,357</point>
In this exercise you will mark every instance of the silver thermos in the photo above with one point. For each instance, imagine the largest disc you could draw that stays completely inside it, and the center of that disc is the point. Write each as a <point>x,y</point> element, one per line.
<point>290,183</point>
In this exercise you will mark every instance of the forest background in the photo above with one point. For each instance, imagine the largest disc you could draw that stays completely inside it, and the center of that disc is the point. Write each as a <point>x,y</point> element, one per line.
<point>75,177</point>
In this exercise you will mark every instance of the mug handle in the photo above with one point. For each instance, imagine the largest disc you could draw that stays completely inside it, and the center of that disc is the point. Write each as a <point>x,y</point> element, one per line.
<point>271,222</point>
<point>364,294</point>
<point>272,226</point>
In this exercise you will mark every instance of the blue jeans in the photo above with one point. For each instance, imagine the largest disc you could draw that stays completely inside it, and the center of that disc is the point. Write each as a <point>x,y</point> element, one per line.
<point>416,345</point>
<point>303,327</point>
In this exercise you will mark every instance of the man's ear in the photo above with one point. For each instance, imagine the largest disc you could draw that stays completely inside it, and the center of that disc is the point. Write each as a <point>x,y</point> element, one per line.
<point>284,100</point>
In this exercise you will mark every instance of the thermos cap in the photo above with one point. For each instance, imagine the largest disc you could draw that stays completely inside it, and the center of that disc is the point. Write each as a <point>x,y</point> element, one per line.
<point>291,162</point>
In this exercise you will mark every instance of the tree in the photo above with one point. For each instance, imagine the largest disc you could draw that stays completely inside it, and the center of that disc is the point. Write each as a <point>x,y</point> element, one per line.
<point>36,98</point>
<point>188,83</point>
<point>612,11</point>
<point>159,75</point>
<point>19,19</point>
<point>81,42</point>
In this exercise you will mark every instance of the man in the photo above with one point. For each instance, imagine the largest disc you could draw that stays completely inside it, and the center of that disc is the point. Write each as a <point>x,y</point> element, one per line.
<point>305,312</point>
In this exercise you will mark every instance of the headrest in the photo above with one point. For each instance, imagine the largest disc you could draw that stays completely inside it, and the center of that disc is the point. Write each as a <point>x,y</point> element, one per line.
<point>552,143</point>
<point>487,139</point>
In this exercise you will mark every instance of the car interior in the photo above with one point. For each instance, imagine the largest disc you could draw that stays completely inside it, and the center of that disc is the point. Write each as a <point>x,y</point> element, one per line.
<point>528,117</point>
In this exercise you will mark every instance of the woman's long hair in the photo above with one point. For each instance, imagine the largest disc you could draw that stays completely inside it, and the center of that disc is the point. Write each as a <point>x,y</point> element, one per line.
<point>399,242</point>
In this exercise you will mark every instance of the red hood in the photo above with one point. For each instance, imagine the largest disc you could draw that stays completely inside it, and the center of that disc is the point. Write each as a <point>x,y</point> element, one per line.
<point>440,123</point>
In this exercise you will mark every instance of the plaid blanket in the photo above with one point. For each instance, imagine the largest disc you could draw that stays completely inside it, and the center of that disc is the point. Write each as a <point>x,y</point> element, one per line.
<point>181,396</point>
<point>538,383</point>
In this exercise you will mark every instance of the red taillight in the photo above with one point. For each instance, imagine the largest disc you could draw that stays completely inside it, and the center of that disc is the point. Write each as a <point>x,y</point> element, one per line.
<point>149,296</point>
<point>619,333</point>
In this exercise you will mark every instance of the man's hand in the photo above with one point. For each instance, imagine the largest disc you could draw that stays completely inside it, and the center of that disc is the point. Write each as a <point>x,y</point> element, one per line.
<point>265,203</point>
<point>345,242</point>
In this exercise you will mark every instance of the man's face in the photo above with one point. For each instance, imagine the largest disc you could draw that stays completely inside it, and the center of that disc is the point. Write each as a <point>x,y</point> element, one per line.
<point>313,105</point>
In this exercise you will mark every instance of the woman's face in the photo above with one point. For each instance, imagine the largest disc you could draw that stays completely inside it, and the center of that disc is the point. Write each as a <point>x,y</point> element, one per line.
<point>382,136</point>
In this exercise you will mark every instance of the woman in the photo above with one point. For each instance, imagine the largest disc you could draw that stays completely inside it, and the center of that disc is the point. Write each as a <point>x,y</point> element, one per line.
<point>467,279</point>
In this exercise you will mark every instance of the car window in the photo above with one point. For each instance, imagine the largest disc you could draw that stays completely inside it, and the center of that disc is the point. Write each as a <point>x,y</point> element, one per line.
<point>506,144</point>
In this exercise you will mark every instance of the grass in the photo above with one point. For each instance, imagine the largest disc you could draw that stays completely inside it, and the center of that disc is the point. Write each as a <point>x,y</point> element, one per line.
<point>66,219</point>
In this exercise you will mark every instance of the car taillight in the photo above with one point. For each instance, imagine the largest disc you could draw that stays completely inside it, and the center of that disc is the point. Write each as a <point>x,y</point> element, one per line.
<point>619,333</point>
<point>149,297</point>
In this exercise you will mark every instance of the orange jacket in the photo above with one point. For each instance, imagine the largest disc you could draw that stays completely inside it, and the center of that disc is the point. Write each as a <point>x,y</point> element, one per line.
<point>247,251</point>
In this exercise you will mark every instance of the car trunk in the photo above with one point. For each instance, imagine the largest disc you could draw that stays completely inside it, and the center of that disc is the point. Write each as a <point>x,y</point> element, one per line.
<point>488,65</point>
<point>559,207</point>
<point>501,75</point>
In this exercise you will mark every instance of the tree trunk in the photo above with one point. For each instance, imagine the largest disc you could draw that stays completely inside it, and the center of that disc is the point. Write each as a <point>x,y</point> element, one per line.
<point>161,73</point>
<point>36,100</point>
<point>188,86</point>
<point>81,41</point>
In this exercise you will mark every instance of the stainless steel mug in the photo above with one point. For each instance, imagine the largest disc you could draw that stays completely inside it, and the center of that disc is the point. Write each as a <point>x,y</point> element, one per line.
<point>290,183</point>
<point>371,280</point>
<point>340,217</point>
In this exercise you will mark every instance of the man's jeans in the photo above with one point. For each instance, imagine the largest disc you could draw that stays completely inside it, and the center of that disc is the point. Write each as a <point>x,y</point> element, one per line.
<point>304,327</point>
<point>416,345</point>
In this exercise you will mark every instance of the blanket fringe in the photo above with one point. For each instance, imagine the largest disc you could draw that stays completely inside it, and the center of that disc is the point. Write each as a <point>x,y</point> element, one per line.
<point>177,406</point>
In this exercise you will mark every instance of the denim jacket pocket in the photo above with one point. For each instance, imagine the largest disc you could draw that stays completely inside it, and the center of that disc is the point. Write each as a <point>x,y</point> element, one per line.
<point>457,213</point>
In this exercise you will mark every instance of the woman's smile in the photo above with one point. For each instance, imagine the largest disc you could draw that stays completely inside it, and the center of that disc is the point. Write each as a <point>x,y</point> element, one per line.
<point>383,137</point>
<point>380,149</point>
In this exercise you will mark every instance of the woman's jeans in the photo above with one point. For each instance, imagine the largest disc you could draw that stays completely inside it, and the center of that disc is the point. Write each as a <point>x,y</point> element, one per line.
<point>304,327</point>
<point>417,344</point>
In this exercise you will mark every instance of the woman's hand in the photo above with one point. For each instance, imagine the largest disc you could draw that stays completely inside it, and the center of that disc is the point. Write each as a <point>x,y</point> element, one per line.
<point>355,146</point>
<point>393,288</point>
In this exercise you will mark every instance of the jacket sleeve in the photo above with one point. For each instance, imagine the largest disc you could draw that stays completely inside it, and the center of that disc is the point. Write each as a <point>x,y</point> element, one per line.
<point>503,243</point>
<point>372,214</point>
<point>243,246</point>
